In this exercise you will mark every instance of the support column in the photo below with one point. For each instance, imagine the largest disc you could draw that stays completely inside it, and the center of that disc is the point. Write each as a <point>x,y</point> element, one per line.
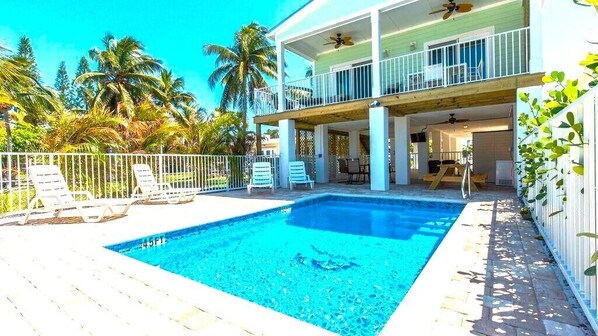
<point>518,131</point>
<point>536,63</point>
<point>286,135</point>
<point>422,159</point>
<point>354,144</point>
<point>258,139</point>
<point>376,54</point>
<point>436,144</point>
<point>379,176</point>
<point>321,150</point>
<point>402,167</point>
<point>280,74</point>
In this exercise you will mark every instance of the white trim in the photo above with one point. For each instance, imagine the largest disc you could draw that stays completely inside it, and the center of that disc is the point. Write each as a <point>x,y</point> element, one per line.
<point>294,18</point>
<point>362,14</point>
<point>463,37</point>
<point>348,65</point>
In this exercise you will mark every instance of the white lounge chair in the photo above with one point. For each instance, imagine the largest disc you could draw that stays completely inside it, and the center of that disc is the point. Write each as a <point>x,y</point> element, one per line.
<point>148,189</point>
<point>53,192</point>
<point>261,177</point>
<point>297,174</point>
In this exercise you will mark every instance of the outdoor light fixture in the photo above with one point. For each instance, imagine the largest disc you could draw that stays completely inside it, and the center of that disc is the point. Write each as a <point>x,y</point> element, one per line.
<point>375,103</point>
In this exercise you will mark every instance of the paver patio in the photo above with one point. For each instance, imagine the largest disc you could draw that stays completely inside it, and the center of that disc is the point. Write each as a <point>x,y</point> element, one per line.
<point>56,279</point>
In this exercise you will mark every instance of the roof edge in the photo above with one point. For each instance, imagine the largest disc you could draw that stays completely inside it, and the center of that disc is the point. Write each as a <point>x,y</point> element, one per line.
<point>279,26</point>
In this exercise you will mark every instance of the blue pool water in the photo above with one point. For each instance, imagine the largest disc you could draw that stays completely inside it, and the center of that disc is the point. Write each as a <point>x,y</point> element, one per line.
<point>342,263</point>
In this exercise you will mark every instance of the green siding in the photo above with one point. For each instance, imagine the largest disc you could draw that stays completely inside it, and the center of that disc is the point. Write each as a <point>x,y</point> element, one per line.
<point>504,18</point>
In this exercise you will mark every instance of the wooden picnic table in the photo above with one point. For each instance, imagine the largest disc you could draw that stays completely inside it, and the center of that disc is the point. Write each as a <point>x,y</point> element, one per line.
<point>459,168</point>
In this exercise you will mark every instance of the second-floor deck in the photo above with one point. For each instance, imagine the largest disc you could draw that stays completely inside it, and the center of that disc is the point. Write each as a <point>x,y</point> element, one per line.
<point>472,61</point>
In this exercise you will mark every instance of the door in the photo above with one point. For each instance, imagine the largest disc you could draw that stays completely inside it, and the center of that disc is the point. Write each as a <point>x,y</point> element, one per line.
<point>473,53</point>
<point>362,80</point>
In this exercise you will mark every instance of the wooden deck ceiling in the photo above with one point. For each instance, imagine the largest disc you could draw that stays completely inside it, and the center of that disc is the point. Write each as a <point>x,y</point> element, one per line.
<point>490,92</point>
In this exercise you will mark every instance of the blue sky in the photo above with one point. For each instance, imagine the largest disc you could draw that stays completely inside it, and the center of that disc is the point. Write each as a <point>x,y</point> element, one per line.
<point>173,31</point>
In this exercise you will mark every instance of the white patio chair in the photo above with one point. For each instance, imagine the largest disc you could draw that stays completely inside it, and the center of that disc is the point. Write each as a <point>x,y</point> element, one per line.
<point>261,177</point>
<point>148,189</point>
<point>297,174</point>
<point>51,189</point>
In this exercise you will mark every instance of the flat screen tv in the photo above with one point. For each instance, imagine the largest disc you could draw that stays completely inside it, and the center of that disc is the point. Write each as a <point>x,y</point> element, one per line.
<point>418,137</point>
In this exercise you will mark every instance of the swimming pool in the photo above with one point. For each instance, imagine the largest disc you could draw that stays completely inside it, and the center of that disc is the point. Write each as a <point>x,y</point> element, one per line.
<point>341,263</point>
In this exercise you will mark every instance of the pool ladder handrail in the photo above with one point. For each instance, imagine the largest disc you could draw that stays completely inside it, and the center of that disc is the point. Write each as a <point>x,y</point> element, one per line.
<point>466,191</point>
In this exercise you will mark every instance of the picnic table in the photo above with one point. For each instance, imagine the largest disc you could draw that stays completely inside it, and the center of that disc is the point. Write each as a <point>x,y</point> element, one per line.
<point>456,175</point>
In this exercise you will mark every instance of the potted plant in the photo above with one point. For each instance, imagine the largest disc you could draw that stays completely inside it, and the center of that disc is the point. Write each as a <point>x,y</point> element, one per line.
<point>526,213</point>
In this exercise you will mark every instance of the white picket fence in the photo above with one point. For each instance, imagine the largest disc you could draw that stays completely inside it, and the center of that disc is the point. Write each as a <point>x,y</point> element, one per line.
<point>111,175</point>
<point>559,221</point>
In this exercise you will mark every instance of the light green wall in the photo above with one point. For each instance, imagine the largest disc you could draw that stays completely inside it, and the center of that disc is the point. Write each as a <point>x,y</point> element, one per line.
<point>503,18</point>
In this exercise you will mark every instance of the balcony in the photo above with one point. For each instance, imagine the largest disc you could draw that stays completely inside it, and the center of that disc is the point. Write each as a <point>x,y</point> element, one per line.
<point>465,62</point>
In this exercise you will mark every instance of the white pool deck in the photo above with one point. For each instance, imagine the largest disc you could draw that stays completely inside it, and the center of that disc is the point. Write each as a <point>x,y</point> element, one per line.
<point>57,279</point>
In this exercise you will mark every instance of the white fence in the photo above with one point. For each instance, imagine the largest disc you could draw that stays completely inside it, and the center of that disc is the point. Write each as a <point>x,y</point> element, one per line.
<point>560,221</point>
<point>456,156</point>
<point>111,175</point>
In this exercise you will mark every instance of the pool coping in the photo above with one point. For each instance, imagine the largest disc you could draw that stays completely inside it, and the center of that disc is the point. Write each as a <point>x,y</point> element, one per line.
<point>412,316</point>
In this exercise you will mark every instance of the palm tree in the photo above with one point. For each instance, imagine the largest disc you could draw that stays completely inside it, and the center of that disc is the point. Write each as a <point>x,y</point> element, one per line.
<point>170,93</point>
<point>20,91</point>
<point>124,76</point>
<point>69,131</point>
<point>272,133</point>
<point>149,129</point>
<point>241,68</point>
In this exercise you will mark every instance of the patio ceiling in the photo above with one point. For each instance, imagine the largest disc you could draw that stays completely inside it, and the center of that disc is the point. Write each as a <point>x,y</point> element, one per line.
<point>480,119</point>
<point>392,21</point>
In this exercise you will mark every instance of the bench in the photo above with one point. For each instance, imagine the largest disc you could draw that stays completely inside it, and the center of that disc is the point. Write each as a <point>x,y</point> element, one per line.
<point>475,178</point>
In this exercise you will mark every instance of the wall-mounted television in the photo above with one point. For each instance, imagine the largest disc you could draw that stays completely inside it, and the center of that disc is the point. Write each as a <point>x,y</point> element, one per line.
<point>418,137</point>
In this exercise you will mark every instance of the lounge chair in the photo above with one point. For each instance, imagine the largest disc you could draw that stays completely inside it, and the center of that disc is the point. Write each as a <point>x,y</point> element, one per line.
<point>261,177</point>
<point>148,189</point>
<point>51,189</point>
<point>297,174</point>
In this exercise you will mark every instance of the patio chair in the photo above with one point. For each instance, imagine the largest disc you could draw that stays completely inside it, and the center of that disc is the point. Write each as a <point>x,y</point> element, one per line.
<point>297,174</point>
<point>355,169</point>
<point>53,192</point>
<point>148,189</point>
<point>261,177</point>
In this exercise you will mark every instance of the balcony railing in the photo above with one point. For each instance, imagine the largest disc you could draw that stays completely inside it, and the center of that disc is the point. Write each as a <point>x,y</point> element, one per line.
<point>478,59</point>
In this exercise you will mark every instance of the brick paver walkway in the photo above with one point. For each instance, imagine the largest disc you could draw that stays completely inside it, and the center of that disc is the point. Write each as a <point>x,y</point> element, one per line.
<point>58,280</point>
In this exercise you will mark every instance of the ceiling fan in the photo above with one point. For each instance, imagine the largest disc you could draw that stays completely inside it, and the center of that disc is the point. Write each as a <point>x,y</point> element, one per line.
<point>451,7</point>
<point>452,120</point>
<point>339,41</point>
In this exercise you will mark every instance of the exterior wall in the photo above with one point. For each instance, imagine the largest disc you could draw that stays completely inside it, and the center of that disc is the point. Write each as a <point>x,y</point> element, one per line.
<point>488,147</point>
<point>577,27</point>
<point>507,17</point>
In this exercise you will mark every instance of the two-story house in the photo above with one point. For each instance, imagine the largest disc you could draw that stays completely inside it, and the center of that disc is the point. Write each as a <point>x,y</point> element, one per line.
<point>439,69</point>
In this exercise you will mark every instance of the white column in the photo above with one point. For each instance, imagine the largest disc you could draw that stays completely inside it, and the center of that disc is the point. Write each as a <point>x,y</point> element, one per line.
<point>376,54</point>
<point>286,135</point>
<point>379,176</point>
<point>536,62</point>
<point>436,144</point>
<point>354,144</point>
<point>422,159</point>
<point>402,167</point>
<point>280,74</point>
<point>321,150</point>
<point>518,131</point>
